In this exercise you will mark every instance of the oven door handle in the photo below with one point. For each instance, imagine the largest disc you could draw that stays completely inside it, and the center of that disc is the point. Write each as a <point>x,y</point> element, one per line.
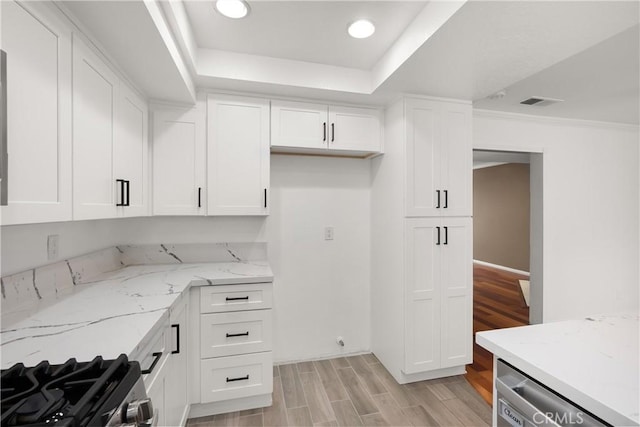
<point>512,400</point>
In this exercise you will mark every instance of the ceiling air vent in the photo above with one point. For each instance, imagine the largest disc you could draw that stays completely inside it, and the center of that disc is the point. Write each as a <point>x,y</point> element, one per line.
<point>540,101</point>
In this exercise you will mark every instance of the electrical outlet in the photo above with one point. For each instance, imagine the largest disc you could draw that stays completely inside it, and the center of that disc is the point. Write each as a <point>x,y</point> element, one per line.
<point>53,242</point>
<point>328,233</point>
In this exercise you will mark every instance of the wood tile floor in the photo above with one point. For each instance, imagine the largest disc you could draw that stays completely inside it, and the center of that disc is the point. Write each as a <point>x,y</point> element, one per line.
<point>358,391</point>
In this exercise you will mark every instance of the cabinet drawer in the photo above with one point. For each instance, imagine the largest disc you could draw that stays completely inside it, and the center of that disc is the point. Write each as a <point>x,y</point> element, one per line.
<point>214,299</point>
<point>225,334</point>
<point>224,378</point>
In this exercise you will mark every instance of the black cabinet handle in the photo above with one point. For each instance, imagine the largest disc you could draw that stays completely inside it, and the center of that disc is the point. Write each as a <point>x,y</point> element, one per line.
<point>324,131</point>
<point>438,195</point>
<point>265,197</point>
<point>177,350</point>
<point>244,334</point>
<point>438,230</point>
<point>156,359</point>
<point>230,380</point>
<point>121,182</point>
<point>236,298</point>
<point>446,199</point>
<point>333,132</point>
<point>199,197</point>
<point>128,193</point>
<point>446,235</point>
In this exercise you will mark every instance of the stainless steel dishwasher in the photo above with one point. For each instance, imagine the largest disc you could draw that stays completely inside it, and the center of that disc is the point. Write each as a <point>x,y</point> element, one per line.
<point>523,401</point>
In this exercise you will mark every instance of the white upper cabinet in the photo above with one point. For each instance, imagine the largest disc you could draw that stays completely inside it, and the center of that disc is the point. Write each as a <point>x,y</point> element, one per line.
<point>238,155</point>
<point>179,161</point>
<point>297,124</point>
<point>38,47</point>
<point>438,158</point>
<point>354,129</point>
<point>321,129</point>
<point>131,154</point>
<point>95,89</point>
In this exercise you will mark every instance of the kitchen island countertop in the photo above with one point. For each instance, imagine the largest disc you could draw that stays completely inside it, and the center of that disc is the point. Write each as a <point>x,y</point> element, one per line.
<point>594,362</point>
<point>114,313</point>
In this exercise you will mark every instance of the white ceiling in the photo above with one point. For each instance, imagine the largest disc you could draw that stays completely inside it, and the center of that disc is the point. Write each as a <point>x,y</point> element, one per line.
<point>601,83</point>
<point>585,52</point>
<point>310,31</point>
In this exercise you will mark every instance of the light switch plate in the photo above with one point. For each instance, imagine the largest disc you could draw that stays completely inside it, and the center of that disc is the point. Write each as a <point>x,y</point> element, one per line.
<point>328,233</point>
<point>53,241</point>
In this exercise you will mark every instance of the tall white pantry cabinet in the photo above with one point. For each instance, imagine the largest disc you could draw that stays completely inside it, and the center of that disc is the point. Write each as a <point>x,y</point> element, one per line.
<point>422,240</point>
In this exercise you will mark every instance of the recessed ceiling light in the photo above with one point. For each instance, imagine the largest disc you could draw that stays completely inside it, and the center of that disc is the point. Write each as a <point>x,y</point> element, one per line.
<point>361,29</point>
<point>235,9</point>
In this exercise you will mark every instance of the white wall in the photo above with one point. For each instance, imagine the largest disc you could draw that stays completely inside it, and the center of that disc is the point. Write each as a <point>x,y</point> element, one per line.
<point>590,208</point>
<point>321,287</point>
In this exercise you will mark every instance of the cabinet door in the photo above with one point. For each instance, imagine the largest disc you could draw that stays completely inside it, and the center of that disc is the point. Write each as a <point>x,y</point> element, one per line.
<point>438,158</point>
<point>238,155</point>
<point>157,393</point>
<point>131,153</point>
<point>456,282</point>
<point>354,129</point>
<point>94,112</point>
<point>38,48</point>
<point>423,133</point>
<point>422,295</point>
<point>179,162</point>
<point>299,125</point>
<point>176,402</point>
<point>456,160</point>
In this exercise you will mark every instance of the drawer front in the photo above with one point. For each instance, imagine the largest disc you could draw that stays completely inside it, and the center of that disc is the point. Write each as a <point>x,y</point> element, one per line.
<point>226,334</point>
<point>216,299</point>
<point>224,378</point>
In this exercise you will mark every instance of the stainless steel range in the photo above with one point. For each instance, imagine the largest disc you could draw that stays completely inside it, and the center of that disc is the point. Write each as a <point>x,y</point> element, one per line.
<point>96,393</point>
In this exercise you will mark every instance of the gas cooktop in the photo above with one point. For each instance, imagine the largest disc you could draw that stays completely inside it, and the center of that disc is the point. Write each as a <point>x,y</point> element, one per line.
<point>70,394</point>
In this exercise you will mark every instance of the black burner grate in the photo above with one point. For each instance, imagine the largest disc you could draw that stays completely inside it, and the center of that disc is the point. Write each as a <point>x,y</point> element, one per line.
<point>70,394</point>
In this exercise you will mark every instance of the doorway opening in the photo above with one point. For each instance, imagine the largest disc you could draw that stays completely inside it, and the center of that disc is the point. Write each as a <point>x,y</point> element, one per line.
<point>507,250</point>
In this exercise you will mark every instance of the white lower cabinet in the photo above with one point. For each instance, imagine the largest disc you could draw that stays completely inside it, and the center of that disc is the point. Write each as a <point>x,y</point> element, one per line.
<point>232,377</point>
<point>224,334</point>
<point>231,359</point>
<point>177,402</point>
<point>157,392</point>
<point>438,326</point>
<point>163,362</point>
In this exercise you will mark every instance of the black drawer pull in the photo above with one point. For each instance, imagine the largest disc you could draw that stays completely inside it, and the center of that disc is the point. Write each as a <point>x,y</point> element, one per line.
<point>177,350</point>
<point>438,230</point>
<point>237,298</point>
<point>438,194</point>
<point>446,199</point>
<point>230,380</point>
<point>121,184</point>
<point>244,334</point>
<point>446,235</point>
<point>156,359</point>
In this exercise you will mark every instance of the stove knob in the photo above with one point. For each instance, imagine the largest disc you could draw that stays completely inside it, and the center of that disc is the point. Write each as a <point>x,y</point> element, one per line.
<point>139,411</point>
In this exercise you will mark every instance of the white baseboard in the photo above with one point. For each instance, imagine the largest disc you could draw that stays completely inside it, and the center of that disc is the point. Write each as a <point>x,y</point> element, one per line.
<point>501,267</point>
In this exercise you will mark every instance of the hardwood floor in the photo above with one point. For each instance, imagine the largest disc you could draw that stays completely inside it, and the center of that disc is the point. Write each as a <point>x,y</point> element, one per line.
<point>358,391</point>
<point>497,303</point>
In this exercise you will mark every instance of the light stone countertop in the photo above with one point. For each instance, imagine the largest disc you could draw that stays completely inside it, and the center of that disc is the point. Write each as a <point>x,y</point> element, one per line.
<point>115,312</point>
<point>594,362</point>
